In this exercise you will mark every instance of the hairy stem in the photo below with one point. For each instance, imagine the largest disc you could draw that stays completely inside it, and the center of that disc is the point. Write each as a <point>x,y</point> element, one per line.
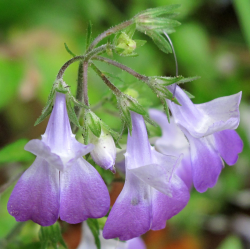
<point>79,58</point>
<point>116,91</point>
<point>123,67</point>
<point>109,32</point>
<point>85,83</point>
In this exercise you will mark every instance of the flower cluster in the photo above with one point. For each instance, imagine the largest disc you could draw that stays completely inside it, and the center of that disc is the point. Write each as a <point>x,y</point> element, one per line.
<point>61,183</point>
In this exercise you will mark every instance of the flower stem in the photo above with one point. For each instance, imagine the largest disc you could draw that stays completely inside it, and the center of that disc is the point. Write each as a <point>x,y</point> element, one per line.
<point>79,58</point>
<point>123,67</point>
<point>85,83</point>
<point>109,32</point>
<point>115,90</point>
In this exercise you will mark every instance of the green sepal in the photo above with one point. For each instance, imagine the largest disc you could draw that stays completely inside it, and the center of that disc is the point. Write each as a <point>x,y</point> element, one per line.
<point>93,123</point>
<point>71,113</point>
<point>191,96</point>
<point>140,43</point>
<point>160,41</point>
<point>94,228</point>
<point>109,49</point>
<point>51,236</point>
<point>48,107</point>
<point>62,87</point>
<point>166,109</point>
<point>167,11</point>
<point>126,104</point>
<point>68,50</point>
<point>166,81</point>
<point>130,30</point>
<point>89,34</point>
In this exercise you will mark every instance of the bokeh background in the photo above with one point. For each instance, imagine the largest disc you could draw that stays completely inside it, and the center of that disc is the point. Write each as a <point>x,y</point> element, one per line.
<point>213,42</point>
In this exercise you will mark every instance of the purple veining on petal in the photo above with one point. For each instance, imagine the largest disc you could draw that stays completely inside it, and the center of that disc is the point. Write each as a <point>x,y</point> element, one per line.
<point>205,119</point>
<point>83,193</point>
<point>36,194</point>
<point>229,145</point>
<point>131,214</point>
<point>165,207</point>
<point>206,162</point>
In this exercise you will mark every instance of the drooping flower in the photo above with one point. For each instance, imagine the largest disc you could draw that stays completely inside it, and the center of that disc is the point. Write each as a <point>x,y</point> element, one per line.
<point>88,242</point>
<point>209,127</point>
<point>173,142</point>
<point>59,182</point>
<point>104,152</point>
<point>152,193</point>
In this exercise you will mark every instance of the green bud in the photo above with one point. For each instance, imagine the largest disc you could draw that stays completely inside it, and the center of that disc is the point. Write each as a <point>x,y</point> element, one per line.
<point>124,45</point>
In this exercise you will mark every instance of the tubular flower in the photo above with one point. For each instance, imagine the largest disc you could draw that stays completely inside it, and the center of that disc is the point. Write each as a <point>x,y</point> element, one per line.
<point>152,193</point>
<point>88,241</point>
<point>59,182</point>
<point>209,127</point>
<point>173,142</point>
<point>104,152</point>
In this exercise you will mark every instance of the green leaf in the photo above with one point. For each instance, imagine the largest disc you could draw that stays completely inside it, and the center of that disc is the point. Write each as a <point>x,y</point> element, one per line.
<point>68,50</point>
<point>93,123</point>
<point>94,227</point>
<point>89,34</point>
<point>15,152</point>
<point>51,236</point>
<point>160,41</point>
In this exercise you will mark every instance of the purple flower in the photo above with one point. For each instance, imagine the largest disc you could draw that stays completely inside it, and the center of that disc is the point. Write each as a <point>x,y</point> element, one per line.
<point>209,127</point>
<point>152,193</point>
<point>59,182</point>
<point>173,142</point>
<point>88,241</point>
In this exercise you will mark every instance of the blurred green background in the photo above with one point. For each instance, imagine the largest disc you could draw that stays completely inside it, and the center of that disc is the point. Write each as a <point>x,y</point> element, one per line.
<point>213,42</point>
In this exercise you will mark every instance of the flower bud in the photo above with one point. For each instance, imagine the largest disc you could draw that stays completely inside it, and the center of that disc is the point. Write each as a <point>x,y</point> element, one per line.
<point>125,45</point>
<point>104,152</point>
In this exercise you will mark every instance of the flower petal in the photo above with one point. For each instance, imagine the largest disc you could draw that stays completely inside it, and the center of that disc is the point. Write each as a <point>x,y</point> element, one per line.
<point>165,207</point>
<point>83,193</point>
<point>205,119</point>
<point>158,174</point>
<point>229,144</point>
<point>136,243</point>
<point>206,162</point>
<point>40,149</point>
<point>184,171</point>
<point>131,214</point>
<point>36,194</point>
<point>138,147</point>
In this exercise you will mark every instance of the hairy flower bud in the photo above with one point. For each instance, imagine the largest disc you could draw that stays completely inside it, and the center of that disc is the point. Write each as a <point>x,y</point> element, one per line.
<point>104,152</point>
